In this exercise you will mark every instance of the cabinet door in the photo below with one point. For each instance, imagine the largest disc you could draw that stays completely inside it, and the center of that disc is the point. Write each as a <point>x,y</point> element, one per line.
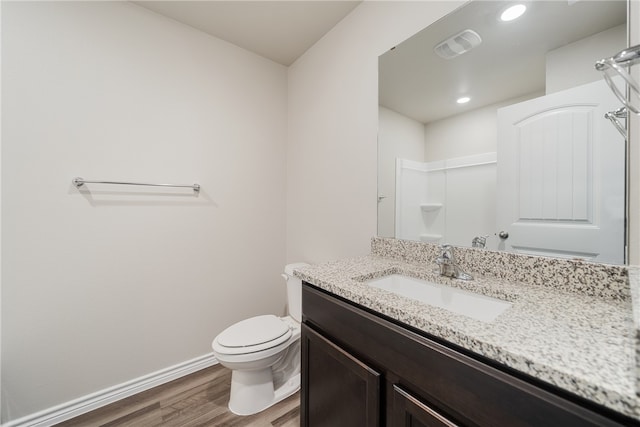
<point>408,411</point>
<point>337,389</point>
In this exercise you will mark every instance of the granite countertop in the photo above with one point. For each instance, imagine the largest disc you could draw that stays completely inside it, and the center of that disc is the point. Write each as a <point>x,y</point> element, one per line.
<point>582,343</point>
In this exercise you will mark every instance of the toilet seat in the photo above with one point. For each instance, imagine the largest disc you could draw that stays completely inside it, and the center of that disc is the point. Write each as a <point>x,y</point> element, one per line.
<point>252,335</point>
<point>263,354</point>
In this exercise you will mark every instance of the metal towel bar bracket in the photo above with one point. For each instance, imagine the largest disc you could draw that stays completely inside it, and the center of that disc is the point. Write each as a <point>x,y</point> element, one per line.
<point>613,116</point>
<point>629,56</point>
<point>615,66</point>
<point>79,182</point>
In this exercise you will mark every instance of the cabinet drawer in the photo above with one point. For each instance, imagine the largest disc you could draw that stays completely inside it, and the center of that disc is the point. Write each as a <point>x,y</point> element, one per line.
<point>409,411</point>
<point>471,392</point>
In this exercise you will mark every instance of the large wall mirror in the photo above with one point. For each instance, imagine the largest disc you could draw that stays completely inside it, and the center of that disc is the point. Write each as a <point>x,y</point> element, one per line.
<point>492,132</point>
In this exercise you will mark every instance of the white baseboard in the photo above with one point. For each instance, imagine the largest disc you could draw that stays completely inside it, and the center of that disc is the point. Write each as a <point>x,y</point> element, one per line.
<point>68,410</point>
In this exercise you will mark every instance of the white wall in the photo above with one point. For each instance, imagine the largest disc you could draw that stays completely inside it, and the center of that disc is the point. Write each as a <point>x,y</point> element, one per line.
<point>573,64</point>
<point>399,137</point>
<point>111,283</point>
<point>466,134</point>
<point>333,116</point>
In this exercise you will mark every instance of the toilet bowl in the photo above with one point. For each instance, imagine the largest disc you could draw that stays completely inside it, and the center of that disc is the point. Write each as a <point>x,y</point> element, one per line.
<point>263,353</point>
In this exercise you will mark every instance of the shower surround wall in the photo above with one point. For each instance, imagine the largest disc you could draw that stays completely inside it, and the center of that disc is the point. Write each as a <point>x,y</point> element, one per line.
<point>447,201</point>
<point>107,284</point>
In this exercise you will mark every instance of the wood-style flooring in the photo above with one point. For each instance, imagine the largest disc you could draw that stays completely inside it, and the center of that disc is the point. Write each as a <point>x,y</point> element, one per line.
<point>199,399</point>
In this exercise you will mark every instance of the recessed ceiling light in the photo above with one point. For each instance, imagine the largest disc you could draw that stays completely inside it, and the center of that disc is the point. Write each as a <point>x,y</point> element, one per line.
<point>513,12</point>
<point>463,100</point>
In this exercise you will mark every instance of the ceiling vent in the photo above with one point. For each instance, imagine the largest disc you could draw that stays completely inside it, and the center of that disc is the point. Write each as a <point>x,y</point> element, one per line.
<point>456,45</point>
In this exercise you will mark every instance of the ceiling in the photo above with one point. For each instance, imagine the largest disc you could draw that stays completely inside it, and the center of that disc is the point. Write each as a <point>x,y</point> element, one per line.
<point>510,62</point>
<point>278,30</point>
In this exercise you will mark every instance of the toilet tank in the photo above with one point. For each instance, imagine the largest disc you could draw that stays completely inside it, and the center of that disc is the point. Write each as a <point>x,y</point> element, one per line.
<point>294,290</point>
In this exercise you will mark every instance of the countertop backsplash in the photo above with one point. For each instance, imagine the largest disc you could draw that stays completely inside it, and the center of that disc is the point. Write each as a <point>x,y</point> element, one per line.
<point>601,280</point>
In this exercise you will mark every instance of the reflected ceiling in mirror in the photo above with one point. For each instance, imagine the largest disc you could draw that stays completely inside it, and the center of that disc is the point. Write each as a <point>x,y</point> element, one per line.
<point>542,56</point>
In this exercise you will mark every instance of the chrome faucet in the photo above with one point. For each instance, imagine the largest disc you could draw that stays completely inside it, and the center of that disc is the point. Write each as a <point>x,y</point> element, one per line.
<point>448,267</point>
<point>479,242</point>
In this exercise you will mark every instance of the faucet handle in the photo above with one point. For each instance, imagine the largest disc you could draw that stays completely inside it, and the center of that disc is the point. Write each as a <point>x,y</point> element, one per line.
<point>447,253</point>
<point>448,266</point>
<point>479,241</point>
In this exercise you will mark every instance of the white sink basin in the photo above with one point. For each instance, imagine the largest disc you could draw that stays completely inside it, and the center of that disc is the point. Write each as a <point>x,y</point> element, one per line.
<point>467,303</point>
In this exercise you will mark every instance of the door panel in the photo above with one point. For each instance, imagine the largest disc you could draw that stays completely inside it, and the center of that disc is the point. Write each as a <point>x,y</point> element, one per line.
<point>561,172</point>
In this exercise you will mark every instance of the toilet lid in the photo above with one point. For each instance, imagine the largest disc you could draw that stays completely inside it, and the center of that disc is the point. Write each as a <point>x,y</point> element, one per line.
<point>255,332</point>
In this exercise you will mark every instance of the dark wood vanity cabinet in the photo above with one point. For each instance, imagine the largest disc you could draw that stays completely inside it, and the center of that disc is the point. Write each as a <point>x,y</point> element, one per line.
<point>354,400</point>
<point>359,369</point>
<point>409,411</point>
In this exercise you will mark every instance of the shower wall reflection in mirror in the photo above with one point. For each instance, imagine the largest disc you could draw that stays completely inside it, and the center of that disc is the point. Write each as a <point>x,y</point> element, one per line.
<point>492,133</point>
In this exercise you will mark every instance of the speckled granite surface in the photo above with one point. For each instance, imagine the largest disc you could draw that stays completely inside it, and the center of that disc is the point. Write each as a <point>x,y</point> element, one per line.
<point>576,329</point>
<point>607,281</point>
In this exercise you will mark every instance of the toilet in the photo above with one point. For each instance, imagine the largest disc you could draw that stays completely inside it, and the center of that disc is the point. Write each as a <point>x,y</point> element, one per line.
<point>263,353</point>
